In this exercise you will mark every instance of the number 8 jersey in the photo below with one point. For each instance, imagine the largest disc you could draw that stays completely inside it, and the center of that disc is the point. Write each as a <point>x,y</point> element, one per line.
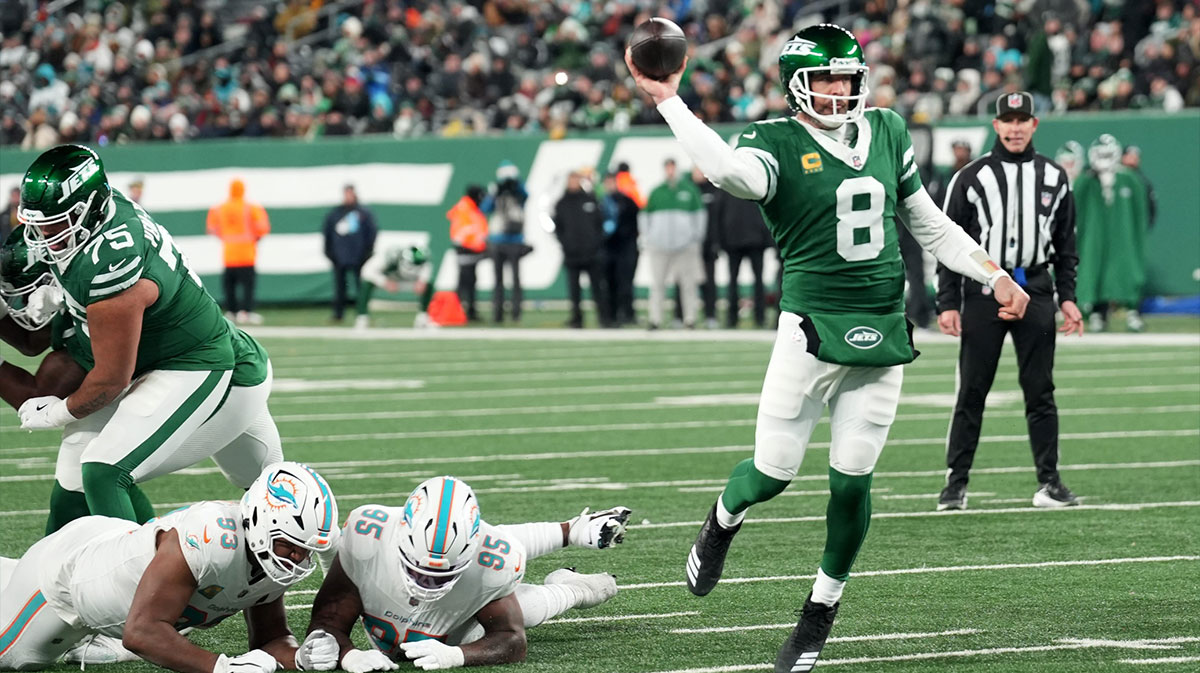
<point>184,329</point>
<point>369,554</point>
<point>832,210</point>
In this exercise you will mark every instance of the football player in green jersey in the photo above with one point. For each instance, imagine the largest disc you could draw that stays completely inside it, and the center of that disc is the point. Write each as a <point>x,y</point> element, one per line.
<point>829,181</point>
<point>162,355</point>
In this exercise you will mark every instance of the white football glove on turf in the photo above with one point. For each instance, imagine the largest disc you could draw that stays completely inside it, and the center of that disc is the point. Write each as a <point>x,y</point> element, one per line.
<point>432,655</point>
<point>598,530</point>
<point>254,661</point>
<point>365,661</point>
<point>43,413</point>
<point>319,652</point>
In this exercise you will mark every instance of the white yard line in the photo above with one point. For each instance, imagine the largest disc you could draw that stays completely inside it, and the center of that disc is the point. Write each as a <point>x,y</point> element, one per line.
<point>835,639</point>
<point>1160,661</point>
<point>620,618</point>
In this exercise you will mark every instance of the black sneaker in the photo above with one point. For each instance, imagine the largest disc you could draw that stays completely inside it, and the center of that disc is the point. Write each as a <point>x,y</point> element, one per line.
<point>801,649</point>
<point>1054,494</point>
<point>706,559</point>
<point>953,497</point>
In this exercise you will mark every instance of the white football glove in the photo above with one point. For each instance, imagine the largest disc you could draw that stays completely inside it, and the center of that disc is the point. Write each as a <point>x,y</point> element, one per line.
<point>598,530</point>
<point>254,661</point>
<point>319,652</point>
<point>365,661</point>
<point>43,303</point>
<point>432,655</point>
<point>43,413</point>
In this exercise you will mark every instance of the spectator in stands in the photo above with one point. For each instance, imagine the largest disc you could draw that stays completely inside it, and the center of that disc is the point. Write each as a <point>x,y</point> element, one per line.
<point>505,207</point>
<point>620,248</point>
<point>349,232</point>
<point>240,224</point>
<point>672,226</point>
<point>8,221</point>
<point>468,233</point>
<point>579,226</point>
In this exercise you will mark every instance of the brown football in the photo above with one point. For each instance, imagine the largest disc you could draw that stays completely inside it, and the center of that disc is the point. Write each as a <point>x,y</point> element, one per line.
<point>657,47</point>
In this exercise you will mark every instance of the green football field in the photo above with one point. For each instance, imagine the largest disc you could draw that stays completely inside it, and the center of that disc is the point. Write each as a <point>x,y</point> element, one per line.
<point>543,423</point>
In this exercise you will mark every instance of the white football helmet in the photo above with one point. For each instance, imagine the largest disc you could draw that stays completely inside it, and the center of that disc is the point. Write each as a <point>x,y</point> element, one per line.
<point>438,537</point>
<point>289,501</point>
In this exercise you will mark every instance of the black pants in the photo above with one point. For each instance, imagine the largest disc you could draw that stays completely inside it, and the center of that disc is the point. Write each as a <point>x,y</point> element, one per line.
<point>507,254</point>
<point>466,289</point>
<point>755,257</point>
<point>342,274</point>
<point>236,277</point>
<point>594,268</point>
<point>918,304</point>
<point>708,286</point>
<point>620,263</point>
<point>982,341</point>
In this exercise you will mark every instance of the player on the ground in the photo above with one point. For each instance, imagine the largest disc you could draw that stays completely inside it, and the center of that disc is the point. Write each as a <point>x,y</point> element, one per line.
<point>829,180</point>
<point>191,568</point>
<point>163,354</point>
<point>433,582</point>
<point>241,436</point>
<point>405,268</point>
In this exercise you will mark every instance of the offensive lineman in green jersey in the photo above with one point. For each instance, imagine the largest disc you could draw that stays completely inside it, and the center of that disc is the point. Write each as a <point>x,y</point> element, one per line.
<point>829,180</point>
<point>163,354</point>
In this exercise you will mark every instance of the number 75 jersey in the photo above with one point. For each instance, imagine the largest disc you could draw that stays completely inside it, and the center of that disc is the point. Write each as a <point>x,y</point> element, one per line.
<point>370,556</point>
<point>184,329</point>
<point>832,210</point>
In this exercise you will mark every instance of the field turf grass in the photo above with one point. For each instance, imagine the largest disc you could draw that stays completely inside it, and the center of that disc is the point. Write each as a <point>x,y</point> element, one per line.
<point>544,423</point>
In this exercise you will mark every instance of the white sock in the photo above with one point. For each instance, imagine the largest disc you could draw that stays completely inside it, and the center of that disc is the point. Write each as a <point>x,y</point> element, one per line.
<point>540,602</point>
<point>827,590</point>
<point>726,519</point>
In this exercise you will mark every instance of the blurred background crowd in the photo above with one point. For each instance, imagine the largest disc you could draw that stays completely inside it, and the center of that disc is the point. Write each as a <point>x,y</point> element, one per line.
<point>177,70</point>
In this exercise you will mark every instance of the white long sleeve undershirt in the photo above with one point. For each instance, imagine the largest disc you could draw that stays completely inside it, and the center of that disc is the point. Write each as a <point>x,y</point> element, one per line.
<point>741,173</point>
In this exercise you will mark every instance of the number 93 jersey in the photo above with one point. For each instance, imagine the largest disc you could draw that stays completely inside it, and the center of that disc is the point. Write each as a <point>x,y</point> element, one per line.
<point>832,209</point>
<point>370,556</point>
<point>184,329</point>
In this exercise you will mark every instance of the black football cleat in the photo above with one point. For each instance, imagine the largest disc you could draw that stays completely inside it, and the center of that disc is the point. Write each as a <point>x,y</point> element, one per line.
<point>801,649</point>
<point>706,559</point>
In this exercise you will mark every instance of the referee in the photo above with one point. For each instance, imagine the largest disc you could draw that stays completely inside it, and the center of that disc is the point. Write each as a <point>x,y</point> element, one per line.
<point>1018,205</point>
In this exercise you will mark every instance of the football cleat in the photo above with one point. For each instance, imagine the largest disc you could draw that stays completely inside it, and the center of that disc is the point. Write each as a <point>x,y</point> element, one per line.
<point>802,648</point>
<point>706,559</point>
<point>598,530</point>
<point>99,649</point>
<point>592,590</point>
<point>953,497</point>
<point>1054,494</point>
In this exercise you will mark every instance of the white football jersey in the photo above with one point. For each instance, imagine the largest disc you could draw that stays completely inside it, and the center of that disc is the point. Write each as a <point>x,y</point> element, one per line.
<point>370,556</point>
<point>104,574</point>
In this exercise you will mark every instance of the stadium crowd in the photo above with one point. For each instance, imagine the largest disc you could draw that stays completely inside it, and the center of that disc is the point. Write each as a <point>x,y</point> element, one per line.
<point>176,70</point>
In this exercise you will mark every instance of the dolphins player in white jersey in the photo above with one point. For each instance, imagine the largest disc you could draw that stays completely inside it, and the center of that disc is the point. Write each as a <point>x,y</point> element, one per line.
<point>190,568</point>
<point>433,583</point>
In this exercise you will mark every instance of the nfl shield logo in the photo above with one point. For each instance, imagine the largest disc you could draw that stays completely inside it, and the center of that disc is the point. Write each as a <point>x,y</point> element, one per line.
<point>1046,197</point>
<point>1014,100</point>
<point>857,161</point>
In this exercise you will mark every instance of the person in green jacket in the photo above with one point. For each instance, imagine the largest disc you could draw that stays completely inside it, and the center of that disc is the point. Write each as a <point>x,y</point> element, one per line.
<point>672,227</point>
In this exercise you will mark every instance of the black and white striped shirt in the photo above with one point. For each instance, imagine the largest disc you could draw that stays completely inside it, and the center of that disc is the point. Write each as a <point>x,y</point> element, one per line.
<point>1020,210</point>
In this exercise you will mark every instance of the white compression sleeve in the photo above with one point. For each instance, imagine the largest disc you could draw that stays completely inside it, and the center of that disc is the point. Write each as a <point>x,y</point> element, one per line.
<point>539,539</point>
<point>736,171</point>
<point>948,242</point>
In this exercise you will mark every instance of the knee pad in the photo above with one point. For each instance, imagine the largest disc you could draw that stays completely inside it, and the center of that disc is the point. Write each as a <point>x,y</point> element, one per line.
<point>855,456</point>
<point>778,454</point>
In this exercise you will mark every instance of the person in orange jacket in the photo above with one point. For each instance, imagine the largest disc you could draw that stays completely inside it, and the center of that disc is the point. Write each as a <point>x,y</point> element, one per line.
<point>468,233</point>
<point>239,224</point>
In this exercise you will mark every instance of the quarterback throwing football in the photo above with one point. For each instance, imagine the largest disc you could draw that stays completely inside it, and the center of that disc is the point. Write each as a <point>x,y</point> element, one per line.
<point>829,181</point>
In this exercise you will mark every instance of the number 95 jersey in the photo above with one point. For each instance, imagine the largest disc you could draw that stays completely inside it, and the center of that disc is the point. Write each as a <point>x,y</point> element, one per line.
<point>369,554</point>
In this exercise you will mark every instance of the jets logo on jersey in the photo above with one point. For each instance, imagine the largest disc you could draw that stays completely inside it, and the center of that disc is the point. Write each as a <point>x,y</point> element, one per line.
<point>811,163</point>
<point>864,337</point>
<point>78,176</point>
<point>281,493</point>
<point>798,47</point>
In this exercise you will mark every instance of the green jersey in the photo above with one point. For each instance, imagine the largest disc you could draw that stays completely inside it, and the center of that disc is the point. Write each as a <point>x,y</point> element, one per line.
<point>64,335</point>
<point>832,211</point>
<point>184,329</point>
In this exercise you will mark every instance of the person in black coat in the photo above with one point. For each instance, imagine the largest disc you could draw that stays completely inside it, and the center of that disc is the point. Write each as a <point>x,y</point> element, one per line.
<point>579,225</point>
<point>620,219</point>
<point>349,241</point>
<point>743,235</point>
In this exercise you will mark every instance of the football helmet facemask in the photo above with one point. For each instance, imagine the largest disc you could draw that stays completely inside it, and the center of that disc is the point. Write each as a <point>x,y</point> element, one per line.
<point>824,49</point>
<point>65,196</point>
<point>438,536</point>
<point>21,274</point>
<point>289,501</point>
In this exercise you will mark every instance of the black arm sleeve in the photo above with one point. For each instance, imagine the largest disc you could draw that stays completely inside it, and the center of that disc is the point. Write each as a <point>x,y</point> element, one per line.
<point>949,283</point>
<point>1066,255</point>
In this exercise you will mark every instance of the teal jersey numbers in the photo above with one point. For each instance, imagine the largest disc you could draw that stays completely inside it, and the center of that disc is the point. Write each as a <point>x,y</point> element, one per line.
<point>184,329</point>
<point>832,211</point>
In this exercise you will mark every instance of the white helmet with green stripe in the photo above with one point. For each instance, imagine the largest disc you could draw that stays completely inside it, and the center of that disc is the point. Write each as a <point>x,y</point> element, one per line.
<point>289,502</point>
<point>438,536</point>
